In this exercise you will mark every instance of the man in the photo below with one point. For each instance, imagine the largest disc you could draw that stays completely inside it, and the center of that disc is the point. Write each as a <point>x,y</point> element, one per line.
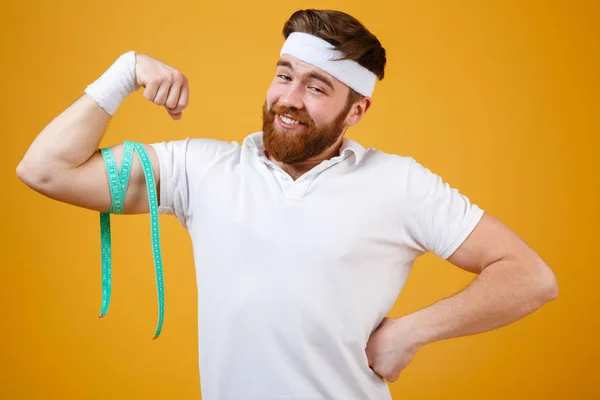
<point>302,238</point>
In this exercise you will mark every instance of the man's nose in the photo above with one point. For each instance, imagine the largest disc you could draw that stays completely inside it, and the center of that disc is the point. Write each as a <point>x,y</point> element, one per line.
<point>292,97</point>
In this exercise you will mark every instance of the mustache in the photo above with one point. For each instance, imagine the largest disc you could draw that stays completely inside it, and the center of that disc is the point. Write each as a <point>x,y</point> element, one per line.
<point>293,113</point>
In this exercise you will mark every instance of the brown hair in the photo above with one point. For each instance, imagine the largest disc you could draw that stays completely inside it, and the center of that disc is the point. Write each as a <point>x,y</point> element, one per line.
<point>344,32</point>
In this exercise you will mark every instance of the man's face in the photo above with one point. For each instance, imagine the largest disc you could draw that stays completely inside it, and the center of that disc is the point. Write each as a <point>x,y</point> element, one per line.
<point>304,113</point>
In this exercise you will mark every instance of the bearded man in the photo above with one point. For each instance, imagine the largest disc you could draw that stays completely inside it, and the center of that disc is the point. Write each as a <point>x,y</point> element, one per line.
<point>302,238</point>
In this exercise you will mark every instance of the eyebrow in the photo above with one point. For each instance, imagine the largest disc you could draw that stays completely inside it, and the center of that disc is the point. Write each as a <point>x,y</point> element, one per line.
<point>312,74</point>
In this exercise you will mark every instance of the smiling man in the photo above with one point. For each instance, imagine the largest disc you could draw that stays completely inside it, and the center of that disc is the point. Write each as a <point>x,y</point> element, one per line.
<point>302,238</point>
<point>296,127</point>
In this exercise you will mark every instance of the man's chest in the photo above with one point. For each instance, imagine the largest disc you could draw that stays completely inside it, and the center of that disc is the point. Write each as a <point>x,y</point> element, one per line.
<point>249,224</point>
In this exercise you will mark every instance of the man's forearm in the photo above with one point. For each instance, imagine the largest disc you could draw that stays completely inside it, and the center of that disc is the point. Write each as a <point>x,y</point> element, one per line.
<point>68,140</point>
<point>71,138</point>
<point>502,293</point>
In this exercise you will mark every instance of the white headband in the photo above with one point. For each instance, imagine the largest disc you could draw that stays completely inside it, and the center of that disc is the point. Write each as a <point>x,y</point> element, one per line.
<point>321,54</point>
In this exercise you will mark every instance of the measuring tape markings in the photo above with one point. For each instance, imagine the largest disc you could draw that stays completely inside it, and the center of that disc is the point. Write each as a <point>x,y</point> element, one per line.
<point>118,183</point>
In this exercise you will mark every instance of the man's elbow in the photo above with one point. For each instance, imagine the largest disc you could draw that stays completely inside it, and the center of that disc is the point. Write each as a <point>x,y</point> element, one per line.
<point>547,285</point>
<point>37,178</point>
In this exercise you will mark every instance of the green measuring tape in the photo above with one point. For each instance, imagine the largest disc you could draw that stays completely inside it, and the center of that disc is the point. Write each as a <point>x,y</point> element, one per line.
<point>118,187</point>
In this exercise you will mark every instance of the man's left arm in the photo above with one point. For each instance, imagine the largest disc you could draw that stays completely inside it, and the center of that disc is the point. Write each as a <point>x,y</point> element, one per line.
<point>512,282</point>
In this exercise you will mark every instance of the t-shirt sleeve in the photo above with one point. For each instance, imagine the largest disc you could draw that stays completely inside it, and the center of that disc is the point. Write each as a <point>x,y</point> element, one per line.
<point>174,180</point>
<point>438,217</point>
<point>182,166</point>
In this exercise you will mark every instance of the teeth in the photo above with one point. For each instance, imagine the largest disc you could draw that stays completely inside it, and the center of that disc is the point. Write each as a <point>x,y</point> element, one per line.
<point>289,121</point>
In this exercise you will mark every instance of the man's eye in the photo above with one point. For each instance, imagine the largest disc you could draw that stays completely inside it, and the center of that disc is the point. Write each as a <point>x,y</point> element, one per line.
<point>284,77</point>
<point>316,89</point>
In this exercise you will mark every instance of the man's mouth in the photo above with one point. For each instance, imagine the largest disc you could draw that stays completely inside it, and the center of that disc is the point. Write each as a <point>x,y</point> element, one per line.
<point>288,122</point>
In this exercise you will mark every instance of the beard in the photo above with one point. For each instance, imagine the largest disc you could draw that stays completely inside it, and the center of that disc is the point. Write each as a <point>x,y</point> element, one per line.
<point>294,146</point>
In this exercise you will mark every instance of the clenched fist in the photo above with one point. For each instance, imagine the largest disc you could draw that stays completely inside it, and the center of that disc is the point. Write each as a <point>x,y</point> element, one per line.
<point>391,347</point>
<point>163,85</point>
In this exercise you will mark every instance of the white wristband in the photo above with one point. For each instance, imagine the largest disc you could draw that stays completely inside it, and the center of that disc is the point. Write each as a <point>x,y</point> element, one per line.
<point>118,82</point>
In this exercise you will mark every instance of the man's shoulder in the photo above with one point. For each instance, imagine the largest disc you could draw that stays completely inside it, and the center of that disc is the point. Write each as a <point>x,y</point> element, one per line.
<point>198,143</point>
<point>211,144</point>
<point>251,141</point>
<point>194,151</point>
<point>382,159</point>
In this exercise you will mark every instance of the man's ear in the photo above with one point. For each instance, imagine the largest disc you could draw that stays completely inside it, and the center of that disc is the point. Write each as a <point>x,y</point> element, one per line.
<point>358,111</point>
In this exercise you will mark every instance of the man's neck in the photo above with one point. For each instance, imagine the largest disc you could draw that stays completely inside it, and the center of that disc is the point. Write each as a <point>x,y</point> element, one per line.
<point>298,169</point>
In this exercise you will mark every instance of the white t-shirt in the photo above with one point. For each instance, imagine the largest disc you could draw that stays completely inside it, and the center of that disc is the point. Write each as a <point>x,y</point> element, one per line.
<point>293,276</point>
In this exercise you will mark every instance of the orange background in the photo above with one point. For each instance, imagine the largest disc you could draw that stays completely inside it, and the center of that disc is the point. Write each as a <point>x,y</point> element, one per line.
<point>498,97</point>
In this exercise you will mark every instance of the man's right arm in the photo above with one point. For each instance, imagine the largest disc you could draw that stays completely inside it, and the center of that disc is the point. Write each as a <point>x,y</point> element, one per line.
<point>64,163</point>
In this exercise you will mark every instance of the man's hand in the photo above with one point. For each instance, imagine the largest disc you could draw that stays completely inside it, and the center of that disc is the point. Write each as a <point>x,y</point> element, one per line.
<point>164,86</point>
<point>391,348</point>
